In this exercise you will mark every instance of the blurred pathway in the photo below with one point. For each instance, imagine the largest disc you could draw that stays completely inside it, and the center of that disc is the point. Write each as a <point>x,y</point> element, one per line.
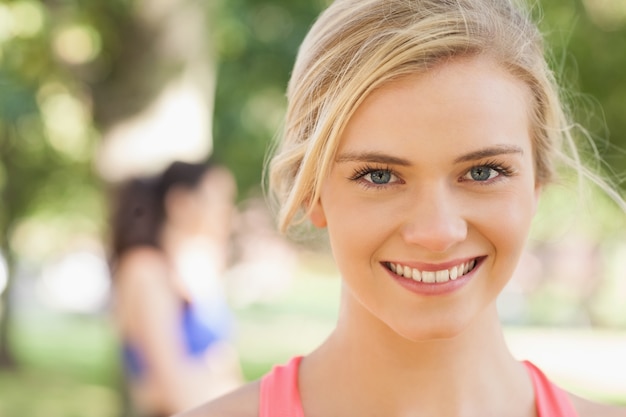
<point>589,362</point>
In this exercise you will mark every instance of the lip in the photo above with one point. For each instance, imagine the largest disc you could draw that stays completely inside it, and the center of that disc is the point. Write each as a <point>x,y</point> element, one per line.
<point>436,288</point>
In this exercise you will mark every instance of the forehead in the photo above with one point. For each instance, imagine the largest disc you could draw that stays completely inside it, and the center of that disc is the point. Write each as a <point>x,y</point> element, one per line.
<point>457,102</point>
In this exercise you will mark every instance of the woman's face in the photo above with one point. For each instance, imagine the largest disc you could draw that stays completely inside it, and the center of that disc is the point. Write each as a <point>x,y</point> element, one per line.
<point>215,197</point>
<point>431,195</point>
<point>206,209</point>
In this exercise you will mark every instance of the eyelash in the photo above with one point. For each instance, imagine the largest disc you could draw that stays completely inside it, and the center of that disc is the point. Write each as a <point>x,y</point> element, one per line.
<point>501,168</point>
<point>359,173</point>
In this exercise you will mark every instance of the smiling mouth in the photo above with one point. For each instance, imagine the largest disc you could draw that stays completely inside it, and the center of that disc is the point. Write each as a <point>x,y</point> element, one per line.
<point>432,277</point>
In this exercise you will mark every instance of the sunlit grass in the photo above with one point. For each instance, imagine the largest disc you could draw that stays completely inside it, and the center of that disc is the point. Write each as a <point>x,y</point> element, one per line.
<point>50,393</point>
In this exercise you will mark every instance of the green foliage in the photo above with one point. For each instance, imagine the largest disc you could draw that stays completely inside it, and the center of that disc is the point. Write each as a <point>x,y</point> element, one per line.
<point>588,39</point>
<point>256,43</point>
<point>48,55</point>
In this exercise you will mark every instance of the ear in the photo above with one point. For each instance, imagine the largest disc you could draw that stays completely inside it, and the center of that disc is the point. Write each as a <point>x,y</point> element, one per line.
<point>317,215</point>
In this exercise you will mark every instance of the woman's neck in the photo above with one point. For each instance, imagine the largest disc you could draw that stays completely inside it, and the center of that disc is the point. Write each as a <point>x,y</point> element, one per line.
<point>383,373</point>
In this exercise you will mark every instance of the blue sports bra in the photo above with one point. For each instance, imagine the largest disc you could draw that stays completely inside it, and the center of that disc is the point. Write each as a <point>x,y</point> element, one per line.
<point>201,328</point>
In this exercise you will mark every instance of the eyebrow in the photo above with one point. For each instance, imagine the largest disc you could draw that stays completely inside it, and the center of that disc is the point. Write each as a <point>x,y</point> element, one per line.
<point>376,157</point>
<point>372,157</point>
<point>490,151</point>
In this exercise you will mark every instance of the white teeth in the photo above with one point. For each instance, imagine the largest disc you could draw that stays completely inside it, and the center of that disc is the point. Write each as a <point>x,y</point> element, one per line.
<point>417,275</point>
<point>428,276</point>
<point>407,272</point>
<point>443,275</point>
<point>453,273</point>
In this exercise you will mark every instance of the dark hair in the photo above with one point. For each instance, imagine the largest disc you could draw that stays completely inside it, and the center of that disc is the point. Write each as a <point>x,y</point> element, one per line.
<point>138,213</point>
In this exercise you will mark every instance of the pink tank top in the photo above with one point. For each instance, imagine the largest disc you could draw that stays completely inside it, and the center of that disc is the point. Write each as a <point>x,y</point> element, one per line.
<point>279,396</point>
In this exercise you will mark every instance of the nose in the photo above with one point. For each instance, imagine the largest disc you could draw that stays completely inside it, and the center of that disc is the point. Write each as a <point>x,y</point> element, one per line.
<point>434,219</point>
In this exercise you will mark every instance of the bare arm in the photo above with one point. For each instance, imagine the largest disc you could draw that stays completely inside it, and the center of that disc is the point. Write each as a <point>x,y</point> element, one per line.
<point>149,310</point>
<point>242,402</point>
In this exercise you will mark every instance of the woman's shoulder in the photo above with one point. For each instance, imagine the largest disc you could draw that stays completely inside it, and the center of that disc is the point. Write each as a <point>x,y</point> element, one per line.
<point>587,408</point>
<point>139,256</point>
<point>140,264</point>
<point>242,402</point>
<point>139,272</point>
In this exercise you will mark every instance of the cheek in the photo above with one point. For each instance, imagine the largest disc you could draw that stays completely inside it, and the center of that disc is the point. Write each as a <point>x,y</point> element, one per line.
<point>506,224</point>
<point>360,233</point>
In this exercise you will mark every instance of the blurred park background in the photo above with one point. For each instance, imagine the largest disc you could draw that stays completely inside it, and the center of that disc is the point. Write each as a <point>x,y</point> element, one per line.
<point>93,91</point>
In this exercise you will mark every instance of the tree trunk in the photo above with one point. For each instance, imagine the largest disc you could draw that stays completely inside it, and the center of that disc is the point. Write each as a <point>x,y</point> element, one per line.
<point>7,359</point>
<point>163,80</point>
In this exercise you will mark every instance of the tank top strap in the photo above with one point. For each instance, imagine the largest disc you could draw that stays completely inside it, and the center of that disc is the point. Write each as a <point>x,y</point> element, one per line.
<point>280,397</point>
<point>279,394</point>
<point>551,401</point>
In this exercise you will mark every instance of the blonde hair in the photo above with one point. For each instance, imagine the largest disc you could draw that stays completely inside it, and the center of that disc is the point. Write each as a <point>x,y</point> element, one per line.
<point>356,46</point>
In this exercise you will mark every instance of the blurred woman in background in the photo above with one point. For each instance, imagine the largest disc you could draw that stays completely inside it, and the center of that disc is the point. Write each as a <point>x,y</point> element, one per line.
<point>170,247</point>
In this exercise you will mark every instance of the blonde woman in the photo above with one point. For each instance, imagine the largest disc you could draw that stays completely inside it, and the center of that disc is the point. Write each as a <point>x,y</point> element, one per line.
<point>420,134</point>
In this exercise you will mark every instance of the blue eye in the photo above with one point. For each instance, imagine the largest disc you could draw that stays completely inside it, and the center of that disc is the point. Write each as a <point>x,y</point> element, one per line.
<point>481,173</point>
<point>369,176</point>
<point>380,176</point>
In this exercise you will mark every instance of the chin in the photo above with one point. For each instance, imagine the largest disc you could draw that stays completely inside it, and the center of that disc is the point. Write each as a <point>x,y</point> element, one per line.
<point>423,332</point>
